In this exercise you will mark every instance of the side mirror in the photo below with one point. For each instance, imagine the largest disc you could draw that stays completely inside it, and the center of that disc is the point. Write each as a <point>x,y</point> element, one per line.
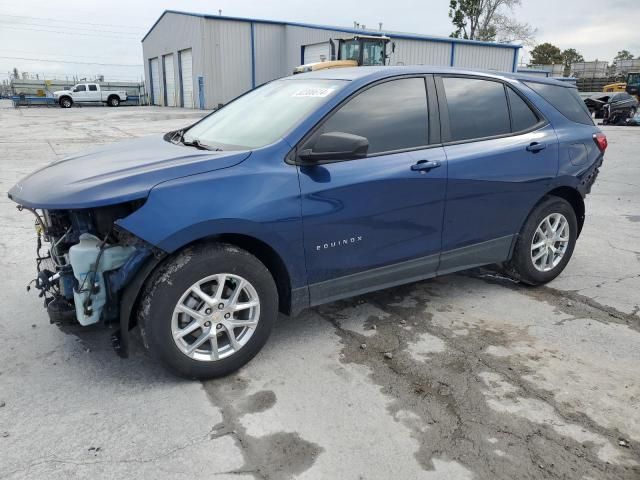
<point>336,146</point>
<point>393,47</point>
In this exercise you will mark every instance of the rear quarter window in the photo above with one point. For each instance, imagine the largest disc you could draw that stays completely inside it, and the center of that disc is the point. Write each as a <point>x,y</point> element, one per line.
<point>565,99</point>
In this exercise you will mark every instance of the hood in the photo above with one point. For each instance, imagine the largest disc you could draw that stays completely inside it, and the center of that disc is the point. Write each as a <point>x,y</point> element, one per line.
<point>60,92</point>
<point>116,173</point>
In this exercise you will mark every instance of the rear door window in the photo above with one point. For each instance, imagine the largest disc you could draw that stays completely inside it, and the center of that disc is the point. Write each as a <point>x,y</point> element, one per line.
<point>565,99</point>
<point>93,88</point>
<point>522,117</point>
<point>391,115</point>
<point>477,108</point>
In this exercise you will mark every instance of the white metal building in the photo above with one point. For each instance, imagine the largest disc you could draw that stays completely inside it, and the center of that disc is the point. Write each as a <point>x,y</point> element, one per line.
<point>201,61</point>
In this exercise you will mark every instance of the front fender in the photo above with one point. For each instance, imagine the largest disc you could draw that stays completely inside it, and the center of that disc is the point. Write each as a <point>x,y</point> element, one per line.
<point>259,199</point>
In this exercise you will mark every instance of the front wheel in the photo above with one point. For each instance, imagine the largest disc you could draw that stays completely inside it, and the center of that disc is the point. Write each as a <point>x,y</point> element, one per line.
<point>66,102</point>
<point>545,243</point>
<point>208,311</point>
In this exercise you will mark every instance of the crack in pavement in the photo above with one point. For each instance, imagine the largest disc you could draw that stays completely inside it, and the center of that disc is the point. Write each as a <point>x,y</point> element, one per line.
<point>569,302</point>
<point>449,404</point>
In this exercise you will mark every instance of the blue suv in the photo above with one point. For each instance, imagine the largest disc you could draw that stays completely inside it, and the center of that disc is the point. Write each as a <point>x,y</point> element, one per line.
<point>307,190</point>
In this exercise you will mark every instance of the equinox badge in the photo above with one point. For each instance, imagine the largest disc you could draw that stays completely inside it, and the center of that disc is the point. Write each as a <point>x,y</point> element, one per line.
<point>339,243</point>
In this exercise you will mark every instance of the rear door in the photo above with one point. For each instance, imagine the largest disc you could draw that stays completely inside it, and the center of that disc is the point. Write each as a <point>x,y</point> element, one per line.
<point>93,94</point>
<point>381,212</point>
<point>502,156</point>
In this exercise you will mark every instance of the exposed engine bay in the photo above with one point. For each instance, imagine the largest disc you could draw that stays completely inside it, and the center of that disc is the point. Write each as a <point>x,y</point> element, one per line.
<point>88,262</point>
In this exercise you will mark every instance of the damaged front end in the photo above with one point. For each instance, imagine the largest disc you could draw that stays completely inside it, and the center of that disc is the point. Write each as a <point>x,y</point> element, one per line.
<point>89,261</point>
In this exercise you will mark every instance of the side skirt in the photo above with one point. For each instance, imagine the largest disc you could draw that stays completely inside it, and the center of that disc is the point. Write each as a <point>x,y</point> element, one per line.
<point>486,253</point>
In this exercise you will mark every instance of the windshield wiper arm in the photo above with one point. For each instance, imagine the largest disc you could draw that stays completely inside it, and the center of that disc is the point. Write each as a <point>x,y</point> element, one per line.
<point>198,144</point>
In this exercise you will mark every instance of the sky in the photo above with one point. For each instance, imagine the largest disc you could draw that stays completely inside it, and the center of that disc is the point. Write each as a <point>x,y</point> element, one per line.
<point>84,38</point>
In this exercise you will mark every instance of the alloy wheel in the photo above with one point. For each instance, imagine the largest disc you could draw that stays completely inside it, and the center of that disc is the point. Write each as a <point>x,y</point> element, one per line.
<point>550,242</point>
<point>215,317</point>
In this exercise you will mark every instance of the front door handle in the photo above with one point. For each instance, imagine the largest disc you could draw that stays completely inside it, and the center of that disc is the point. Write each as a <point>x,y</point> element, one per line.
<point>425,165</point>
<point>536,147</point>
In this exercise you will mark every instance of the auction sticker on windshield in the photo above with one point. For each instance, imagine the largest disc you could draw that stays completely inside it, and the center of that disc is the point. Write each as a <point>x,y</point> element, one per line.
<point>313,92</point>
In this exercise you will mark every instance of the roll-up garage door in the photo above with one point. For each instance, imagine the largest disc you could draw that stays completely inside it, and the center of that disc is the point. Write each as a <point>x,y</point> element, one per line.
<point>186,78</point>
<point>317,52</point>
<point>155,81</point>
<point>169,81</point>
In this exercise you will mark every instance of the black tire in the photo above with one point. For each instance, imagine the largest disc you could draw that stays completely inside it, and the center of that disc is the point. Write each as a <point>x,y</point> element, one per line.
<point>65,102</point>
<point>113,101</point>
<point>175,277</point>
<point>521,265</point>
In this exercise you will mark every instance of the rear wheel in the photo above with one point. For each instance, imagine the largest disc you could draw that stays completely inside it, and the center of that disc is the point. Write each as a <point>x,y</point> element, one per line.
<point>545,243</point>
<point>113,101</point>
<point>208,311</point>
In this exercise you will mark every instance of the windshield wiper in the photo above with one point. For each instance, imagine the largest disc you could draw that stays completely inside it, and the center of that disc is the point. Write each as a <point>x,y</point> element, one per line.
<point>195,143</point>
<point>199,145</point>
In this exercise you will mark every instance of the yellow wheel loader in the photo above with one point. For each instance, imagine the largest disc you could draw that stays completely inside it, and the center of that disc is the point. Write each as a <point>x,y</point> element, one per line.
<point>631,86</point>
<point>354,51</point>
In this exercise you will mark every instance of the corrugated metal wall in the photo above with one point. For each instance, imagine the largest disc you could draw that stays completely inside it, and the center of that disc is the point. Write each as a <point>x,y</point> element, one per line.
<point>270,52</point>
<point>483,57</point>
<point>227,60</point>
<point>172,33</point>
<point>419,52</point>
<point>224,55</point>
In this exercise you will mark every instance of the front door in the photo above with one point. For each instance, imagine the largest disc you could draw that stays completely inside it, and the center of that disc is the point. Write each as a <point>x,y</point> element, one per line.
<point>80,93</point>
<point>381,212</point>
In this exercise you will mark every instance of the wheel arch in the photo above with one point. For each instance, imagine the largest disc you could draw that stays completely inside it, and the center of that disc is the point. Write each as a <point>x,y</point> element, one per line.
<point>62,97</point>
<point>269,258</point>
<point>113,95</point>
<point>574,198</point>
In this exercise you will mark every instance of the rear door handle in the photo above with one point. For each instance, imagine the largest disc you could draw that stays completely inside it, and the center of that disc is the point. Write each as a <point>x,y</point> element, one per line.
<point>536,147</point>
<point>425,165</point>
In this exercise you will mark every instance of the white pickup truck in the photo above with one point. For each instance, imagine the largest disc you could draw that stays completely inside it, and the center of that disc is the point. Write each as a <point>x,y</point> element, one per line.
<point>89,93</point>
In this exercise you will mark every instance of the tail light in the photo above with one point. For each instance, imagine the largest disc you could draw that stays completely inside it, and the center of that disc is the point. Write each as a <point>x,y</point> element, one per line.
<point>601,141</point>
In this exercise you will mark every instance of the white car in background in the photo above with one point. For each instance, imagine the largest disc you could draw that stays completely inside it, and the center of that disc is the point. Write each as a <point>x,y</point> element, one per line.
<point>89,93</point>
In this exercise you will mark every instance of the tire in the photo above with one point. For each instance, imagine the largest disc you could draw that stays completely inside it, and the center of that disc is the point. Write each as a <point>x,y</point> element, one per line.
<point>113,101</point>
<point>65,102</point>
<point>170,290</point>
<point>632,112</point>
<point>521,266</point>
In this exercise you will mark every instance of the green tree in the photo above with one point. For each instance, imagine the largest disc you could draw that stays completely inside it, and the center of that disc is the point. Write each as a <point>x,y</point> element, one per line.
<point>569,56</point>
<point>488,20</point>
<point>623,55</point>
<point>546,54</point>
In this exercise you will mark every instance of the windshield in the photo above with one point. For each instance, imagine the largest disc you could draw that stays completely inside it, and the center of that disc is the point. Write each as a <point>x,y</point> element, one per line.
<point>350,50</point>
<point>373,53</point>
<point>263,115</point>
<point>633,78</point>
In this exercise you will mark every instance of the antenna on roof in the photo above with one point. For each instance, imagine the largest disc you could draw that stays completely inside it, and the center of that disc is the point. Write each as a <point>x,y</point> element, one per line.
<point>220,12</point>
<point>380,26</point>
